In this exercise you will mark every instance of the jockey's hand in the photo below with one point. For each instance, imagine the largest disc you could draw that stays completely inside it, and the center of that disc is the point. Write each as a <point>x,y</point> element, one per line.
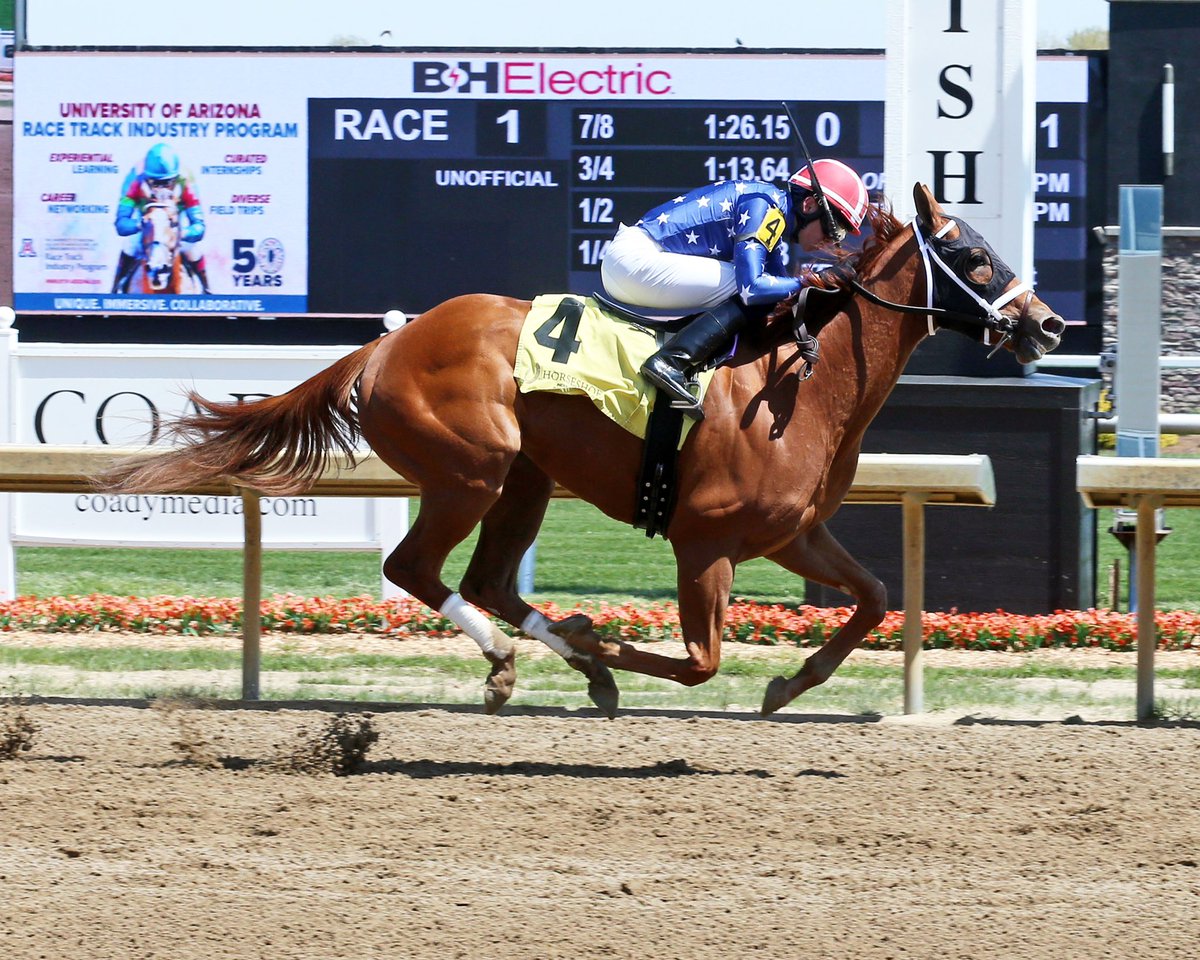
<point>841,273</point>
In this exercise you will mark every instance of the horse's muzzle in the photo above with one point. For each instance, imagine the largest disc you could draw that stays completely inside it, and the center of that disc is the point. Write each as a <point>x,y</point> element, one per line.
<point>1040,331</point>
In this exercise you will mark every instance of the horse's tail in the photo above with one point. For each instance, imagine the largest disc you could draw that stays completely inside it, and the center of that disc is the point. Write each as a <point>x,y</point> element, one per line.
<point>278,445</point>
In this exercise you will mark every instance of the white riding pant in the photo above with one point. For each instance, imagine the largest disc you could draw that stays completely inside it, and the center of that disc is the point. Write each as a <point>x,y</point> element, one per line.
<point>637,270</point>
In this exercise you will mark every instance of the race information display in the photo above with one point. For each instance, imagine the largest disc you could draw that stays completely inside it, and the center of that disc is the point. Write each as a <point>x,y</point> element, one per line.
<point>354,184</point>
<point>523,198</point>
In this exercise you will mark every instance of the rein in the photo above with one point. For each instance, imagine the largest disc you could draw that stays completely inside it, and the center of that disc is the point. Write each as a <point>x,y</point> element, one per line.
<point>988,317</point>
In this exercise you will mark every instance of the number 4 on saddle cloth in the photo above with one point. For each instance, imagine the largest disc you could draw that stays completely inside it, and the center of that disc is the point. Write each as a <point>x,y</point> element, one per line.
<point>572,344</point>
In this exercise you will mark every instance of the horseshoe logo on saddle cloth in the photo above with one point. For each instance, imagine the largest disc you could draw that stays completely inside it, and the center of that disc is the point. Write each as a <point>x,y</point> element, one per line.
<point>570,344</point>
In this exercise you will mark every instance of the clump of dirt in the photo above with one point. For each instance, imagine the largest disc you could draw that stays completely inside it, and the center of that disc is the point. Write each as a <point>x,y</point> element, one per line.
<point>196,748</point>
<point>17,730</point>
<point>339,748</point>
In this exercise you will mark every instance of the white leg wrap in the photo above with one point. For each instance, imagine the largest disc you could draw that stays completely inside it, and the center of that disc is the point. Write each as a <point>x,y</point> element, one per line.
<point>537,626</point>
<point>473,623</point>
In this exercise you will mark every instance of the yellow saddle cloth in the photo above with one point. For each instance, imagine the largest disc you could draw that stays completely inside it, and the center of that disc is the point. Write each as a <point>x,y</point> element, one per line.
<point>569,344</point>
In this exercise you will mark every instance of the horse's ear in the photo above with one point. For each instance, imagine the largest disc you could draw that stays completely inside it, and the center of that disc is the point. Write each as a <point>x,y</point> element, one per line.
<point>929,211</point>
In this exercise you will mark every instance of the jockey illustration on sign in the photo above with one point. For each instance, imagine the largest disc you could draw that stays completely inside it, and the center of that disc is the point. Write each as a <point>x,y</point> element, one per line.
<point>160,180</point>
<point>722,249</point>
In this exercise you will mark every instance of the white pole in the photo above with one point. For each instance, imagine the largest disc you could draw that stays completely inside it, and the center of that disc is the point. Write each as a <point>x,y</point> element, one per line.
<point>914,601</point>
<point>1168,120</point>
<point>1145,541</point>
<point>391,526</point>
<point>8,405</point>
<point>251,593</point>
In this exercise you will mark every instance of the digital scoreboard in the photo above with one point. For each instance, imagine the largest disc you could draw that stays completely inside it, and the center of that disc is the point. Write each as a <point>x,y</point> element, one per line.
<point>522,198</point>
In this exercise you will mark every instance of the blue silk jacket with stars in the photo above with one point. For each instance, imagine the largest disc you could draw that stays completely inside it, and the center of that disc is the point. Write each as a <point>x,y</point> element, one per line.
<point>746,222</point>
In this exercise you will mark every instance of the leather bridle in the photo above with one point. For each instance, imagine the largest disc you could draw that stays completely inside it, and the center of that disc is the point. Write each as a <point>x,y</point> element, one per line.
<point>986,316</point>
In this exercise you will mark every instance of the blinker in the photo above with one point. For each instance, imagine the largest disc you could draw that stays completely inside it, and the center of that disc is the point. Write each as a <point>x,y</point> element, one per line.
<point>957,251</point>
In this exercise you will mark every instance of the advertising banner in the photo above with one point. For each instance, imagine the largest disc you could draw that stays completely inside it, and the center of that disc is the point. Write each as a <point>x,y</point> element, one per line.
<point>84,126</point>
<point>123,396</point>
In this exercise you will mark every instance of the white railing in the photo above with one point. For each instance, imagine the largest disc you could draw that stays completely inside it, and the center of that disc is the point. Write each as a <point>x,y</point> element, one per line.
<point>1144,484</point>
<point>909,480</point>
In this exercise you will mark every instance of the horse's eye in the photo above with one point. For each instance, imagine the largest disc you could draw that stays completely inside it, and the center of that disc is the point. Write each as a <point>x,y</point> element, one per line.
<point>977,267</point>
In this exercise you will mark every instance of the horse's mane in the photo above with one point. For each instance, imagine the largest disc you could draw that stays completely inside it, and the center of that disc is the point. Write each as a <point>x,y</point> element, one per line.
<point>884,227</point>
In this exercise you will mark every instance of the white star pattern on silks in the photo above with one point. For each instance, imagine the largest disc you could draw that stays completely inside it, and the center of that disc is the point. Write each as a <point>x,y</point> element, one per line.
<point>745,292</point>
<point>776,196</point>
<point>663,218</point>
<point>743,218</point>
<point>702,202</point>
<point>677,200</point>
<point>714,250</point>
<point>739,186</point>
<point>692,236</point>
<point>726,206</point>
<point>731,231</point>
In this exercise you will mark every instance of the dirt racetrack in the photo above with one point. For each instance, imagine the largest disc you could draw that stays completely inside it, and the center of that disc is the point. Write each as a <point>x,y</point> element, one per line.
<point>554,835</point>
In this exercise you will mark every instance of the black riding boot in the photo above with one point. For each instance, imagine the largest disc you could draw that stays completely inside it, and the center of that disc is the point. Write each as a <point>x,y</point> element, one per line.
<point>691,348</point>
<point>125,267</point>
<point>198,270</point>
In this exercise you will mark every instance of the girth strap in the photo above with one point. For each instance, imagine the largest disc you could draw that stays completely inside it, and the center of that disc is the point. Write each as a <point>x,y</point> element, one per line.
<point>657,489</point>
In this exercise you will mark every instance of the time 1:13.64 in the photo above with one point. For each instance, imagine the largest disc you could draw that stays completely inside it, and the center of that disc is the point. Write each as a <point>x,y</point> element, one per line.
<point>747,168</point>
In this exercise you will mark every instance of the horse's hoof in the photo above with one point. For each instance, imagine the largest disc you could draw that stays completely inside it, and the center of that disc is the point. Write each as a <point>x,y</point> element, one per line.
<point>500,682</point>
<point>577,631</point>
<point>776,696</point>
<point>602,687</point>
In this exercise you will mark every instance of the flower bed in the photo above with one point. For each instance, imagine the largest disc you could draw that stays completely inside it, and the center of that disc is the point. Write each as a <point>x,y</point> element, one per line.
<point>745,622</point>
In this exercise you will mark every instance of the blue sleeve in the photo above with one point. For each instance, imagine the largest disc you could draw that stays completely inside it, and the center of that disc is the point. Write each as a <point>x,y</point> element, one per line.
<point>127,223</point>
<point>759,275</point>
<point>195,229</point>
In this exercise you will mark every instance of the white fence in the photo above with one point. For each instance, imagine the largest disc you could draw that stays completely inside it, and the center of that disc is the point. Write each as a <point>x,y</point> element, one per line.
<point>912,481</point>
<point>1144,484</point>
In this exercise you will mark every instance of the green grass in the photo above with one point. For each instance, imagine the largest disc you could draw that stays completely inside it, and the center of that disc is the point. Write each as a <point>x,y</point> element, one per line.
<point>581,555</point>
<point>66,571</point>
<point>1177,570</point>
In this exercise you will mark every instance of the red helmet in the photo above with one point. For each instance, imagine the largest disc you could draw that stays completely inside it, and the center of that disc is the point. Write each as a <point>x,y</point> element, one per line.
<point>841,186</point>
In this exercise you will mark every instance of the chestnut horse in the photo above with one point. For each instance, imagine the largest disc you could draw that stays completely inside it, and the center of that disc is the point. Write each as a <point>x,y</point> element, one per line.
<point>771,462</point>
<point>161,269</point>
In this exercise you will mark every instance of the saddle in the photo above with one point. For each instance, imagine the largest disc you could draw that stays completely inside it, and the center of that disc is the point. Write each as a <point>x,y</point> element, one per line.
<point>641,317</point>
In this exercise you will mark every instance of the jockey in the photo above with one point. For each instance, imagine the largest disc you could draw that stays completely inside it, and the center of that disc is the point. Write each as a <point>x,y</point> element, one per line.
<point>722,249</point>
<point>160,179</point>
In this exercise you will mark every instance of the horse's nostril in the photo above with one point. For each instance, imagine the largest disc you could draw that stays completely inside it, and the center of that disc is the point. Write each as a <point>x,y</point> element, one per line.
<point>1054,325</point>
